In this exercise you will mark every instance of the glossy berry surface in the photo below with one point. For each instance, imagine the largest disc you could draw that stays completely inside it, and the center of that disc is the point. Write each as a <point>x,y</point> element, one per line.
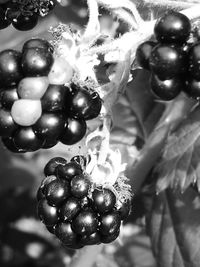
<point>37,43</point>
<point>25,23</point>
<point>10,67</point>
<point>104,200</point>
<point>56,192</point>
<point>50,168</point>
<point>125,209</point>
<point>85,223</point>
<point>7,124</point>
<point>85,104</point>
<point>93,239</point>
<point>8,97</point>
<point>194,61</point>
<point>47,213</point>
<point>106,239</point>
<point>173,27</point>
<point>69,170</point>
<point>166,89</point>
<point>80,186</point>
<point>50,125</point>
<point>143,53</point>
<point>192,88</point>
<point>26,139</point>
<point>55,98</point>
<point>65,233</point>
<point>36,62</point>
<point>4,22</point>
<point>70,209</point>
<point>168,61</point>
<point>81,160</point>
<point>10,145</point>
<point>74,131</point>
<point>110,223</point>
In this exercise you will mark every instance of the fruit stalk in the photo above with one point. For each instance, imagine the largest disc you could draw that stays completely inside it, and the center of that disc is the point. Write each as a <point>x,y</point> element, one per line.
<point>170,3</point>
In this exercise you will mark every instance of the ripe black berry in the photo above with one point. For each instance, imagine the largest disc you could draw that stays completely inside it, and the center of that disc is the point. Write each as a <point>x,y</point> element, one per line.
<point>4,22</point>
<point>81,160</point>
<point>192,88</point>
<point>55,98</point>
<point>7,125</point>
<point>194,61</point>
<point>69,170</point>
<point>110,223</point>
<point>70,209</point>
<point>125,209</point>
<point>37,43</point>
<point>110,238</point>
<point>50,125</point>
<point>166,89</point>
<point>56,192</point>
<point>65,233</point>
<point>74,131</point>
<point>104,200</point>
<point>86,223</point>
<point>173,27</point>
<point>25,23</point>
<point>50,168</point>
<point>47,213</point>
<point>168,61</point>
<point>10,67</point>
<point>49,143</point>
<point>25,139</point>
<point>93,239</point>
<point>36,62</point>
<point>143,53</point>
<point>8,97</point>
<point>85,104</point>
<point>10,145</point>
<point>80,186</point>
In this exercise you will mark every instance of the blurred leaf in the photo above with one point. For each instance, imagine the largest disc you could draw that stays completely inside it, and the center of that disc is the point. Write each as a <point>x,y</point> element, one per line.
<point>142,102</point>
<point>174,228</point>
<point>14,204</point>
<point>180,164</point>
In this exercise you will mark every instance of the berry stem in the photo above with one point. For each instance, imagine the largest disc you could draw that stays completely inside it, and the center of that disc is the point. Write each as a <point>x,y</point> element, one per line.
<point>86,256</point>
<point>169,4</point>
<point>174,113</point>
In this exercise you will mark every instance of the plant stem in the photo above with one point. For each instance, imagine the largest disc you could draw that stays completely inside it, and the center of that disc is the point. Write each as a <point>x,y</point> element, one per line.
<point>168,4</point>
<point>173,115</point>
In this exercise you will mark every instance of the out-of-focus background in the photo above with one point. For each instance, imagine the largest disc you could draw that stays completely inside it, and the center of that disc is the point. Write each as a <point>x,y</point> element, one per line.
<point>24,242</point>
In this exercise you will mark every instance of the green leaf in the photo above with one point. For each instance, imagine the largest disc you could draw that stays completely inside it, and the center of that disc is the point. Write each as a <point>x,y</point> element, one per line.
<point>174,228</point>
<point>180,163</point>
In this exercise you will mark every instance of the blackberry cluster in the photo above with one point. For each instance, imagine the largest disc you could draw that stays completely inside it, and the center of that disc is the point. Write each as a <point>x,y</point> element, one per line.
<point>76,211</point>
<point>24,15</point>
<point>37,108</point>
<point>174,61</point>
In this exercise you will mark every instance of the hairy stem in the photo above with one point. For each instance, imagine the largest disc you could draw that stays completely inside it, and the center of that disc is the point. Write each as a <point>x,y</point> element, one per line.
<point>168,4</point>
<point>173,115</point>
